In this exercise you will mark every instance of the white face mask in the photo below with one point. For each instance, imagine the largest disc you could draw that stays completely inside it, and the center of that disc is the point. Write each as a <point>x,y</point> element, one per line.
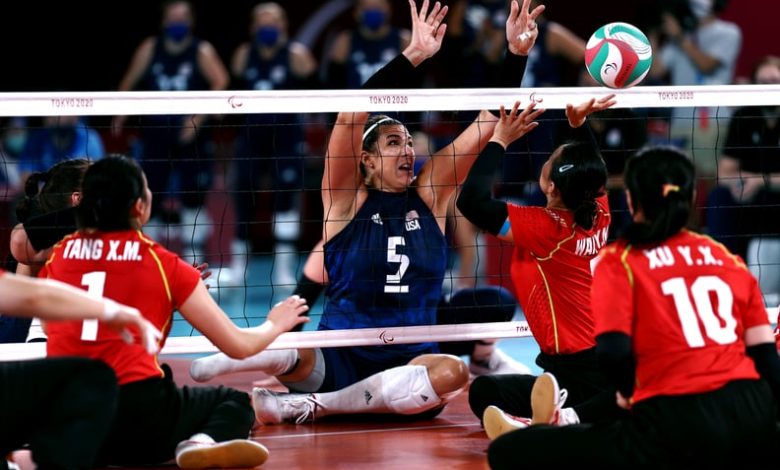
<point>701,8</point>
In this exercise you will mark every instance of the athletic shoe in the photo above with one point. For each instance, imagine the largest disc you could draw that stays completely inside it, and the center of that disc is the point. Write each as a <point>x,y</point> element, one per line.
<point>498,422</point>
<point>499,363</point>
<point>274,408</point>
<point>547,399</point>
<point>238,453</point>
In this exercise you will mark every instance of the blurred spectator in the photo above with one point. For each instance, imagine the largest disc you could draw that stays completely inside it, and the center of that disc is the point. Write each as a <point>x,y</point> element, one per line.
<point>558,52</point>
<point>174,156</point>
<point>270,147</point>
<point>13,140</point>
<point>698,49</point>
<point>60,138</point>
<point>356,54</point>
<point>555,60</point>
<point>743,211</point>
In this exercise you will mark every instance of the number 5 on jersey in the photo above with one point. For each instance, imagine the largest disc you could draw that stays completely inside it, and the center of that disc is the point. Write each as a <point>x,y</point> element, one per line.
<point>394,285</point>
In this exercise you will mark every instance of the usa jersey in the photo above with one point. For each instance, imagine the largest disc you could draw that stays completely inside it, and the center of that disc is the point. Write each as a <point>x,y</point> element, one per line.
<point>386,268</point>
<point>180,72</point>
<point>269,74</point>
<point>552,275</point>
<point>368,56</point>
<point>131,269</point>
<point>685,304</point>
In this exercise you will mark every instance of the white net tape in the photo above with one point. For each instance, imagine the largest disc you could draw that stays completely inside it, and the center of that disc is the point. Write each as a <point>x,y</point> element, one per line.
<point>321,339</point>
<point>318,101</point>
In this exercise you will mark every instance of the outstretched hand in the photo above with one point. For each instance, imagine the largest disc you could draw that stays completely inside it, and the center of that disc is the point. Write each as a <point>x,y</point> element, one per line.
<point>513,125</point>
<point>125,320</point>
<point>521,28</point>
<point>427,31</point>
<point>577,114</point>
<point>288,313</point>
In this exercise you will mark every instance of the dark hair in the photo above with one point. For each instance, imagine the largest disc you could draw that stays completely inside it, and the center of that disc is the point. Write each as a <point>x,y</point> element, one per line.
<point>111,186</point>
<point>580,174</point>
<point>660,180</point>
<point>371,133</point>
<point>51,190</point>
<point>372,127</point>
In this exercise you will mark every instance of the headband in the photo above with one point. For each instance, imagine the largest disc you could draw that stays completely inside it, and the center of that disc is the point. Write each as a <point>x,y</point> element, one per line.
<point>373,126</point>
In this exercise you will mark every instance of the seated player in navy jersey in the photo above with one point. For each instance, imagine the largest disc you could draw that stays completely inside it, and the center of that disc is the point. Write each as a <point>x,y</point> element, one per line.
<point>385,256</point>
<point>682,336</point>
<point>156,420</point>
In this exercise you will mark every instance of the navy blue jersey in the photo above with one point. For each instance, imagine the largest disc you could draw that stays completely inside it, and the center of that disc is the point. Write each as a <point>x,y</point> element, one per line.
<point>178,72</point>
<point>386,268</point>
<point>368,56</point>
<point>271,74</point>
<point>267,74</point>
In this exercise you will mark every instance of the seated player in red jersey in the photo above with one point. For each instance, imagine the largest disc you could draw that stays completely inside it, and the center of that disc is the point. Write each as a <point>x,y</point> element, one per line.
<point>682,335</point>
<point>61,408</point>
<point>109,255</point>
<point>551,266</point>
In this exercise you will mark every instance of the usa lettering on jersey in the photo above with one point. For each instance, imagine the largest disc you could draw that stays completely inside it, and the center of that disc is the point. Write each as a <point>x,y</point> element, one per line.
<point>93,250</point>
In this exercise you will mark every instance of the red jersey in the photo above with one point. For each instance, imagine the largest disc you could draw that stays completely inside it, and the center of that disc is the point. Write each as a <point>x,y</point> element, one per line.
<point>552,274</point>
<point>131,269</point>
<point>685,304</point>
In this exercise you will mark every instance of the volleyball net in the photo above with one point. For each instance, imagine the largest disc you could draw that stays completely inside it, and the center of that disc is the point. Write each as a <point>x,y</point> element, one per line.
<point>245,197</point>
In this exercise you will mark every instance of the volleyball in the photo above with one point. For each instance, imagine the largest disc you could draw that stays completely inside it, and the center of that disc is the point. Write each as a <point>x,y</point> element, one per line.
<point>618,55</point>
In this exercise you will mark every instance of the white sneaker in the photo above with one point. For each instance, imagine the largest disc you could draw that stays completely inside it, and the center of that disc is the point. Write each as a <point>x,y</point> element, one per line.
<point>241,453</point>
<point>498,422</point>
<point>275,408</point>
<point>499,363</point>
<point>547,399</point>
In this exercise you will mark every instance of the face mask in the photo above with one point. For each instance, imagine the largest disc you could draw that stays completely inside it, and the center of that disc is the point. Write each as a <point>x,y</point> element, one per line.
<point>177,31</point>
<point>267,36</point>
<point>701,8</point>
<point>373,19</point>
<point>15,143</point>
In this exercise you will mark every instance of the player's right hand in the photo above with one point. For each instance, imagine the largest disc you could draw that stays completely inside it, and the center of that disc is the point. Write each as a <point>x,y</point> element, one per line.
<point>288,313</point>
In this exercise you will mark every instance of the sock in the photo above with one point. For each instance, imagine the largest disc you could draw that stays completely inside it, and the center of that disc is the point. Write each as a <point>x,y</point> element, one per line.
<point>568,416</point>
<point>272,362</point>
<point>202,438</point>
<point>402,390</point>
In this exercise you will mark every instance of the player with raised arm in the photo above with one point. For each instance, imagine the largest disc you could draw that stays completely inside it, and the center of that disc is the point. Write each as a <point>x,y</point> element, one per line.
<point>554,247</point>
<point>682,335</point>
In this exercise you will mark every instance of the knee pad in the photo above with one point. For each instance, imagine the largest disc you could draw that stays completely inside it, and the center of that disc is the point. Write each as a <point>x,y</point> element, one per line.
<point>408,390</point>
<point>313,382</point>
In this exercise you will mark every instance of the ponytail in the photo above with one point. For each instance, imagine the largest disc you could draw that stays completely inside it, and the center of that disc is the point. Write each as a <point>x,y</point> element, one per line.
<point>660,180</point>
<point>580,175</point>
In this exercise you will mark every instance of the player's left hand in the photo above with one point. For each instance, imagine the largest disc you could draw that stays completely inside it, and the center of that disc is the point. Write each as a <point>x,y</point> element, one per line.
<point>577,114</point>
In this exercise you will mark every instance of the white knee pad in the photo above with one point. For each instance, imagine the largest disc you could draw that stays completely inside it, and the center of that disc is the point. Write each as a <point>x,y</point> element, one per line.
<point>407,390</point>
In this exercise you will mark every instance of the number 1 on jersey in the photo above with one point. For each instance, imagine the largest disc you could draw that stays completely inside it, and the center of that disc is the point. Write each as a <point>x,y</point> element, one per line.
<point>95,282</point>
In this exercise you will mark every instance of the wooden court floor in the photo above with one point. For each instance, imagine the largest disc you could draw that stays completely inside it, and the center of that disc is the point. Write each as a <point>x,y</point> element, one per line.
<point>453,440</point>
